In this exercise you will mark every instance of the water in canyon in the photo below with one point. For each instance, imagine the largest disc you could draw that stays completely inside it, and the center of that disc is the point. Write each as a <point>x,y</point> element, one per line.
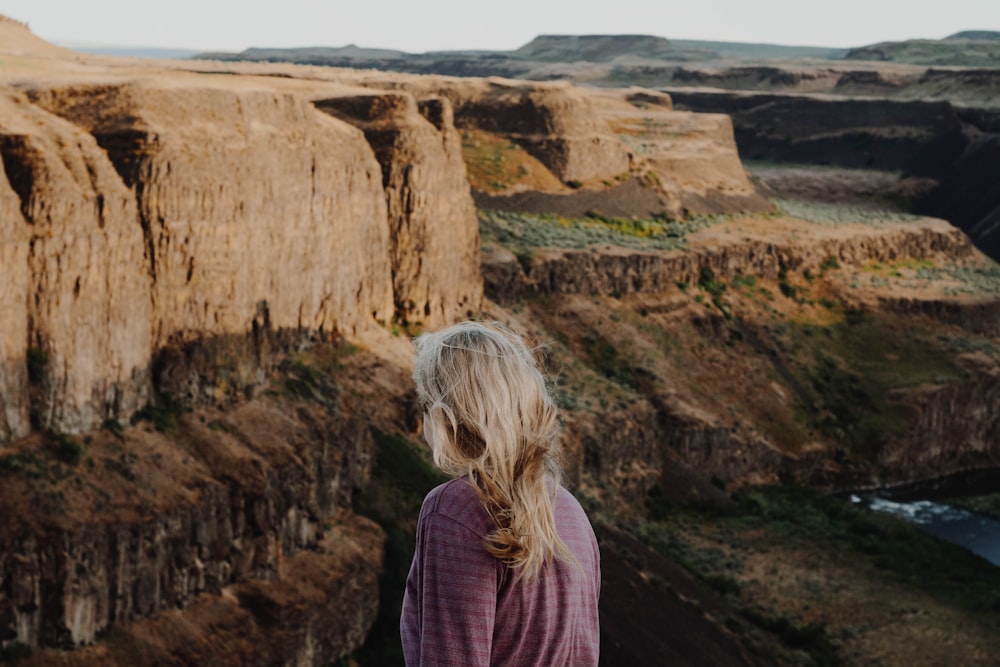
<point>977,533</point>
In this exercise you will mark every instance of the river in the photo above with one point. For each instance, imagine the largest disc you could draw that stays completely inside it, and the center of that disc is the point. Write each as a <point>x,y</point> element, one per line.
<point>977,533</point>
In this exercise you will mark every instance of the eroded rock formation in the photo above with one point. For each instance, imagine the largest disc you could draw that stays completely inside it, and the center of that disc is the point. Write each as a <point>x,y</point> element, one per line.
<point>434,269</point>
<point>176,236</point>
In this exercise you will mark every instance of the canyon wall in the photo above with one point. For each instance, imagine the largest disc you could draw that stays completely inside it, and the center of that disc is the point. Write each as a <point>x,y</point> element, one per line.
<point>918,137</point>
<point>597,142</point>
<point>622,271</point>
<point>154,212</point>
<point>154,528</point>
<point>77,310</point>
<point>434,269</point>
<point>954,143</point>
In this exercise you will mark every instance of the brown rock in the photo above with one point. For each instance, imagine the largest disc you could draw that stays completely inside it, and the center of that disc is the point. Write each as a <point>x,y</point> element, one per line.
<point>432,220</point>
<point>77,290</point>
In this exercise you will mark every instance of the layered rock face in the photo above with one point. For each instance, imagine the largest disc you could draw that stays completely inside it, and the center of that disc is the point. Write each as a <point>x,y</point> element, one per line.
<point>142,214</point>
<point>434,269</point>
<point>752,252</point>
<point>230,186</point>
<point>598,139</point>
<point>77,323</point>
<point>156,527</point>
<point>558,124</point>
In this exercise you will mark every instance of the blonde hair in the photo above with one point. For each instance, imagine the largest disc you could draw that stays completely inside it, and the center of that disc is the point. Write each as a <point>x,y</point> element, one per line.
<point>489,415</point>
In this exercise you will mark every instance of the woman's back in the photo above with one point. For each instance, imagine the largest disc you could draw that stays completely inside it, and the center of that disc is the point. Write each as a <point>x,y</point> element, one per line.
<point>464,607</point>
<point>506,570</point>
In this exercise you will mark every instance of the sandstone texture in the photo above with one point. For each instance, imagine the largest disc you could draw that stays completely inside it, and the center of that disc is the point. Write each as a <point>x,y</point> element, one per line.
<point>596,139</point>
<point>434,270</point>
<point>161,207</point>
<point>210,272</point>
<point>77,329</point>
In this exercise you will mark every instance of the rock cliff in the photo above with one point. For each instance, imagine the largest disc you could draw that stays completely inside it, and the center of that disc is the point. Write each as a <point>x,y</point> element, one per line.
<point>597,140</point>
<point>434,269</point>
<point>143,213</point>
<point>78,317</point>
<point>956,144</point>
<point>141,527</point>
<point>209,265</point>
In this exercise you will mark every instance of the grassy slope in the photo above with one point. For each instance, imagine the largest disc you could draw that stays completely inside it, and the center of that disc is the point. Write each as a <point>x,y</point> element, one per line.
<point>805,579</point>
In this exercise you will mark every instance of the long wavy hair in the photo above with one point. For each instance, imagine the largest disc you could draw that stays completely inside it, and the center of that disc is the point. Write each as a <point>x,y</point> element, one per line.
<point>489,415</point>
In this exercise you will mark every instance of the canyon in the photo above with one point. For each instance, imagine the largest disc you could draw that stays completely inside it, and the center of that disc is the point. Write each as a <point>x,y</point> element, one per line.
<point>209,443</point>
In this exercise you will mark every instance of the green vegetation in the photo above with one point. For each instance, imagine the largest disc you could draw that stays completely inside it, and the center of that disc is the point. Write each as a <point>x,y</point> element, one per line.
<point>312,374</point>
<point>48,463</point>
<point>848,370</point>
<point>495,164</point>
<point>14,651</point>
<point>797,529</point>
<point>605,358</point>
<point>65,448</point>
<point>38,365</point>
<point>401,477</point>
<point>520,232</point>
<point>841,214</point>
<point>163,412</point>
<point>15,463</point>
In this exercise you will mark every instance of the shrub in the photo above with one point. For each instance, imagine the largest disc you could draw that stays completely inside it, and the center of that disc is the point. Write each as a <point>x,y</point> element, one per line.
<point>38,365</point>
<point>66,449</point>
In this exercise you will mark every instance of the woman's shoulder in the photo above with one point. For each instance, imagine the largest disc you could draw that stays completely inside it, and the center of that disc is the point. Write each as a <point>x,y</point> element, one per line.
<point>570,514</point>
<point>457,500</point>
<point>454,490</point>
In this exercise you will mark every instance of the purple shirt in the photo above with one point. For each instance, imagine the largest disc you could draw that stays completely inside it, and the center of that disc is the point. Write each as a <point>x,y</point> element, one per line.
<point>463,607</point>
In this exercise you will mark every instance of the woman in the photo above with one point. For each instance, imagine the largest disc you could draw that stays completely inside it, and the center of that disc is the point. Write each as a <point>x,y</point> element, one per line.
<point>506,569</point>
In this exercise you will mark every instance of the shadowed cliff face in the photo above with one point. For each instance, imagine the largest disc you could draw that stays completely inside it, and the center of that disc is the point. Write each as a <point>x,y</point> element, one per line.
<point>934,138</point>
<point>918,137</point>
<point>77,310</point>
<point>242,518</point>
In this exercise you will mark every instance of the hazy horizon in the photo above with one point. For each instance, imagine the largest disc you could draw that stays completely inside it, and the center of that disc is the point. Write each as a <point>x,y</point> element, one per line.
<point>435,25</point>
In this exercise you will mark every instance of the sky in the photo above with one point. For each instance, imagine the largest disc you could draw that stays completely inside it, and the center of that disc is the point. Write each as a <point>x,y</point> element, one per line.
<point>431,25</point>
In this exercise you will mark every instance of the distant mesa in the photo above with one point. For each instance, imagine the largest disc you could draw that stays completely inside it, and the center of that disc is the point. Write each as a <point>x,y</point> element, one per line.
<point>349,51</point>
<point>987,35</point>
<point>592,48</point>
<point>969,48</point>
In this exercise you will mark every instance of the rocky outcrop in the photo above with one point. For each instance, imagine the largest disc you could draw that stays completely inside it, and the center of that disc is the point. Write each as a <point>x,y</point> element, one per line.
<point>147,527</point>
<point>918,137</point>
<point>598,139</point>
<point>559,124</point>
<point>976,314</point>
<point>76,333</point>
<point>947,437</point>
<point>622,271</point>
<point>142,214</point>
<point>231,185</point>
<point>432,220</point>
<point>955,144</point>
